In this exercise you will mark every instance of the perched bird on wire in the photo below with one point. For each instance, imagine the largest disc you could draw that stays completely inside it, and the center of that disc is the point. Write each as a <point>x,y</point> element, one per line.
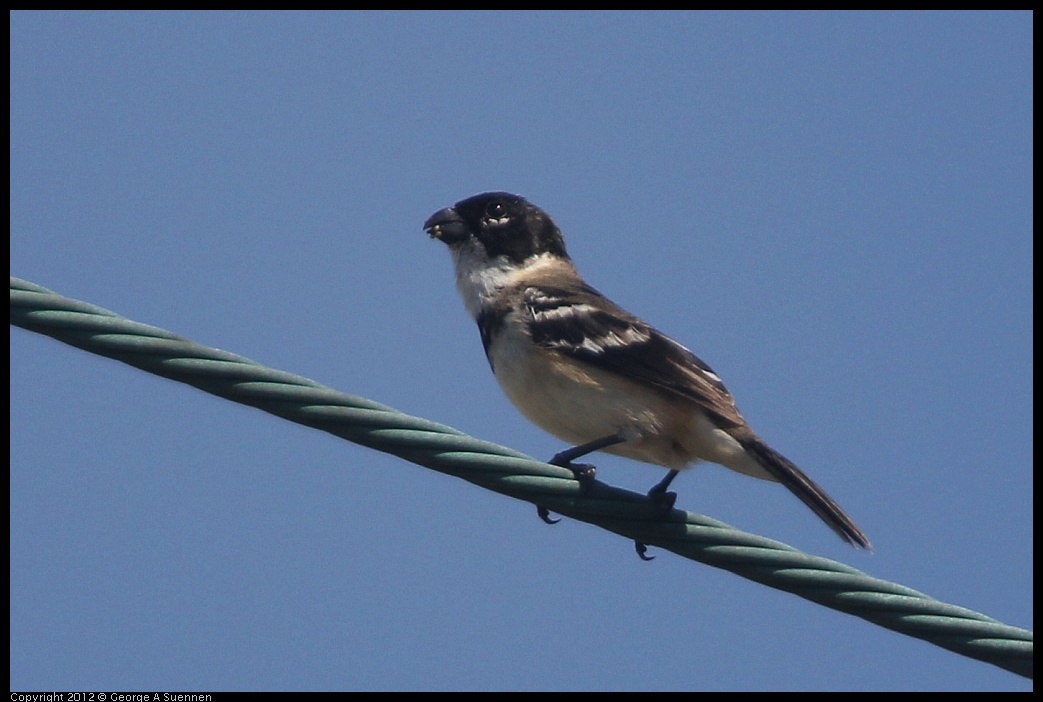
<point>584,369</point>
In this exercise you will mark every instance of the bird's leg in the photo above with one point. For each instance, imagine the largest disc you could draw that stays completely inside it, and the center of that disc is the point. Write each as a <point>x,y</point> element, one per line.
<point>584,472</point>
<point>659,494</point>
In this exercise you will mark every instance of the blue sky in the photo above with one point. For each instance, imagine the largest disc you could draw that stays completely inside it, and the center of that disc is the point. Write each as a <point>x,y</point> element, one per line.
<point>833,210</point>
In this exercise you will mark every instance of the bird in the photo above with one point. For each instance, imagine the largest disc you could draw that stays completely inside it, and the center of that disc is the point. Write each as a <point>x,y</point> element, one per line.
<point>590,373</point>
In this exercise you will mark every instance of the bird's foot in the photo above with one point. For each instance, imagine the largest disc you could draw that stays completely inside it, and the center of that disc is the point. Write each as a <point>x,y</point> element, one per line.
<point>665,501</point>
<point>583,472</point>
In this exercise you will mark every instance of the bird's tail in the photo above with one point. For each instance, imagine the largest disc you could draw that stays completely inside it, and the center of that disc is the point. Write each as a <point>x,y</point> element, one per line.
<point>783,470</point>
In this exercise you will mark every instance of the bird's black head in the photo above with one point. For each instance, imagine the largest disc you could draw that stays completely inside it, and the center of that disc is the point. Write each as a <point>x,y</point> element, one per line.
<point>504,224</point>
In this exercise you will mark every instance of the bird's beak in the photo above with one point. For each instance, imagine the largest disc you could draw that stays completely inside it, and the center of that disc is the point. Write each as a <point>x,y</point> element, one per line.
<point>446,225</point>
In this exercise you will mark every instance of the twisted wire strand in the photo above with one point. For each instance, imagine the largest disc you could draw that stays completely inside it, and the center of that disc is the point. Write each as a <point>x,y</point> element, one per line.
<point>511,473</point>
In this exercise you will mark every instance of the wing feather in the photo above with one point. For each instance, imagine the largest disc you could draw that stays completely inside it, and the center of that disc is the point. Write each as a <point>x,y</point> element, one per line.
<point>580,322</point>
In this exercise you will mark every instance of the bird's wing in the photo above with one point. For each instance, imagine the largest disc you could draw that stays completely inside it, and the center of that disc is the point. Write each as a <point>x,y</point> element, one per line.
<point>580,322</point>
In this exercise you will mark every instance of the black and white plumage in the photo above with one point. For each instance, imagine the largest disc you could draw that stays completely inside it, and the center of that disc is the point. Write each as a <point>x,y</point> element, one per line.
<point>589,372</point>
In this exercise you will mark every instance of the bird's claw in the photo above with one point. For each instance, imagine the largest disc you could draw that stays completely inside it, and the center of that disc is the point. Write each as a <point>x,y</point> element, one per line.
<point>642,550</point>
<point>544,514</point>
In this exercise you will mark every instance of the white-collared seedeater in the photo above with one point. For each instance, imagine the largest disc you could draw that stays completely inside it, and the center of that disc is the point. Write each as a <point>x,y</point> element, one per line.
<point>589,372</point>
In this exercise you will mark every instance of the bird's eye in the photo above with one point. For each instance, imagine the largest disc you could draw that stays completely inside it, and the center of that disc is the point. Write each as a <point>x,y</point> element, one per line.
<point>496,211</point>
